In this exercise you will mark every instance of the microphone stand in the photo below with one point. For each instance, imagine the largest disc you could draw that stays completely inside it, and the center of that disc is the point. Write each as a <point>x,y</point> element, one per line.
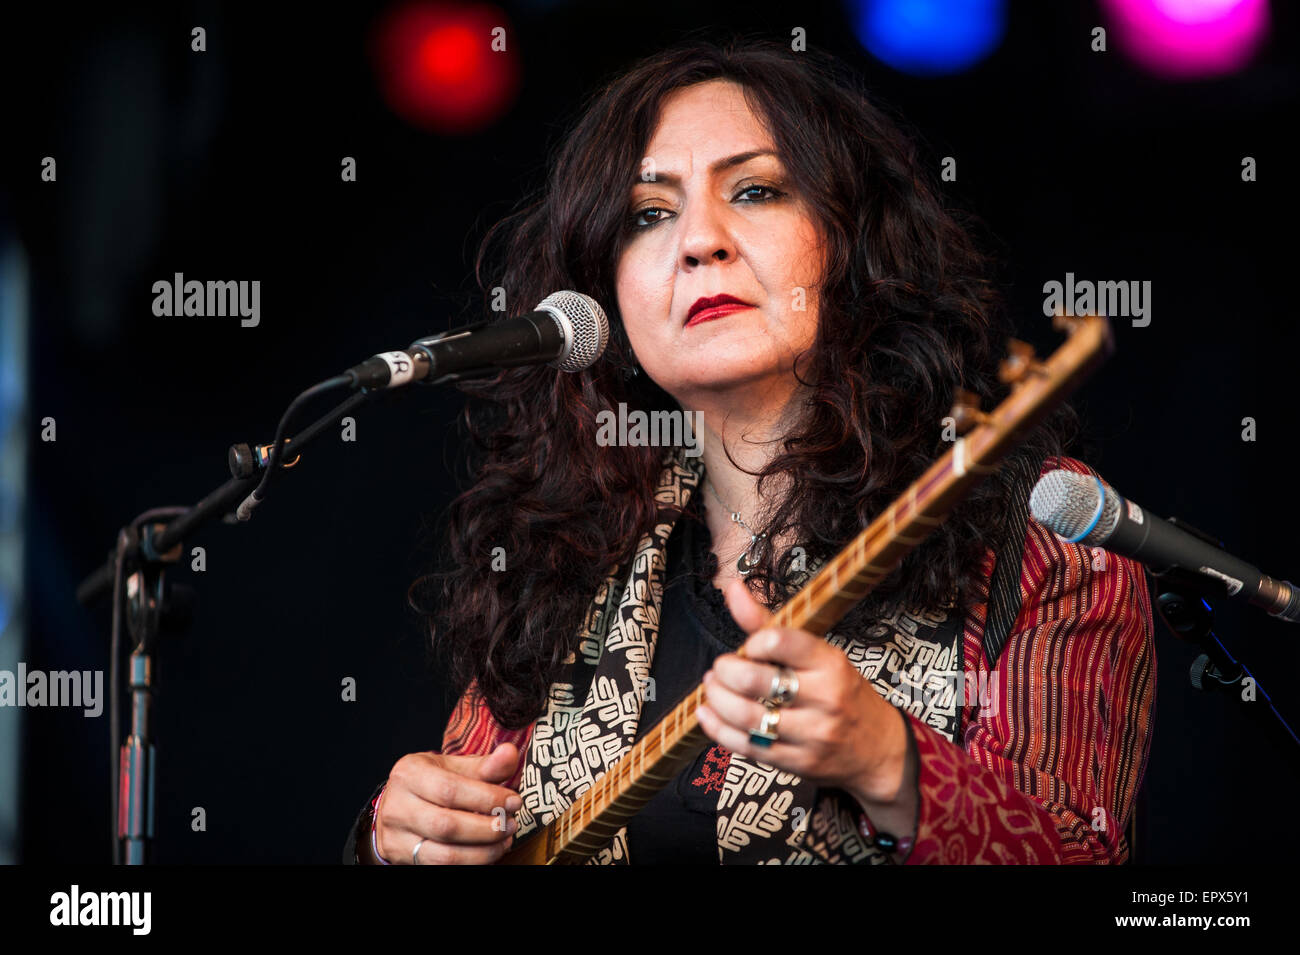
<point>140,560</point>
<point>1183,601</point>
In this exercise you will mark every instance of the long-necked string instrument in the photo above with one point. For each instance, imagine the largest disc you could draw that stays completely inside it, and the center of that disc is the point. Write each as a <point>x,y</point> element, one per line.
<point>1036,387</point>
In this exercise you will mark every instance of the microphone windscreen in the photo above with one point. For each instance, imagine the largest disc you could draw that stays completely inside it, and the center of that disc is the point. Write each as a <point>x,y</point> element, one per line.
<point>1068,504</point>
<point>585,324</point>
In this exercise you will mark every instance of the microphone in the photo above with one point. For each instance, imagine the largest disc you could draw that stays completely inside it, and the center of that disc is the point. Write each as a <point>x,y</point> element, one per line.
<point>568,331</point>
<point>1082,509</point>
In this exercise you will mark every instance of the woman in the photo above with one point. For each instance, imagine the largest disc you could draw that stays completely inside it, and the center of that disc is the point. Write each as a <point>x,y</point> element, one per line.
<point>771,256</point>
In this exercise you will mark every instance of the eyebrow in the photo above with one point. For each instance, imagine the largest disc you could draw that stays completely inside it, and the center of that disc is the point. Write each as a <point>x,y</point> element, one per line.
<point>672,179</point>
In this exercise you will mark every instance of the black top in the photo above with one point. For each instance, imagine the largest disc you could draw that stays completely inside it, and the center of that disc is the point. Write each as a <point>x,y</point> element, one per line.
<point>679,824</point>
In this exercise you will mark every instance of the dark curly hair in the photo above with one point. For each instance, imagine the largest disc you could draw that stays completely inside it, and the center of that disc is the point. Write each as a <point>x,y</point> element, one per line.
<point>908,313</point>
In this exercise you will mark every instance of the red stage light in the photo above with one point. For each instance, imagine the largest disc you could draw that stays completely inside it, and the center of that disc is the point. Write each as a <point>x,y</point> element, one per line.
<point>441,66</point>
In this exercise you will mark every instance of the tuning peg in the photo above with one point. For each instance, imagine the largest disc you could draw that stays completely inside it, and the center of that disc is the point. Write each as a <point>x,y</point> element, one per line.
<point>966,412</point>
<point>1019,363</point>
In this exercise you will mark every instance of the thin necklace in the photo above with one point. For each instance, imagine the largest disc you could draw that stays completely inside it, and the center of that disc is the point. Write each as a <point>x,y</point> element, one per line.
<point>754,552</point>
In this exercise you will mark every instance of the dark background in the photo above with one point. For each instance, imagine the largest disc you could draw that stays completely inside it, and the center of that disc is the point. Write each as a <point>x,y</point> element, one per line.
<point>225,165</point>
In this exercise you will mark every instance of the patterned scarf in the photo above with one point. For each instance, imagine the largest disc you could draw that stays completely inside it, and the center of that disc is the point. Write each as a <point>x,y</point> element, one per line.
<point>765,815</point>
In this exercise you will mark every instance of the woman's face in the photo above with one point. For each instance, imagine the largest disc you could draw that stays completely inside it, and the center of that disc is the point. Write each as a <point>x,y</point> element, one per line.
<point>719,218</point>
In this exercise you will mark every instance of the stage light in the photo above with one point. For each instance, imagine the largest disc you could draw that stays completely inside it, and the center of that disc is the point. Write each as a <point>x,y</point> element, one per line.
<point>1188,39</point>
<point>930,37</point>
<point>448,68</point>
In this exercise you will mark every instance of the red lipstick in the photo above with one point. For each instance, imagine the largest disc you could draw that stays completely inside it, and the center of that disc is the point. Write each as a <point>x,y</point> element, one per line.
<point>706,309</point>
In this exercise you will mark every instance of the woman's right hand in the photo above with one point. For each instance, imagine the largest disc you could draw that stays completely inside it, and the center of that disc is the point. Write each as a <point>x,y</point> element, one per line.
<point>454,804</point>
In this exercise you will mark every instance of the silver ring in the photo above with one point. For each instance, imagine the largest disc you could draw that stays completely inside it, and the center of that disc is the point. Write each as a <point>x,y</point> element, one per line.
<point>765,734</point>
<point>785,684</point>
<point>415,853</point>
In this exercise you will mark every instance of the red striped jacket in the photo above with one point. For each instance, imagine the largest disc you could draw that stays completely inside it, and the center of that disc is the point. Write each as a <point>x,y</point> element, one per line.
<point>1048,773</point>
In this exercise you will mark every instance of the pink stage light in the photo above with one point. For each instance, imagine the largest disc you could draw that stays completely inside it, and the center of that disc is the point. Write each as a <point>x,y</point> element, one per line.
<point>1188,39</point>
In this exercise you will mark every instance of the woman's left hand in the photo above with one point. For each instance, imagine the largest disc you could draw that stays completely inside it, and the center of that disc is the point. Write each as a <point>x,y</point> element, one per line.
<point>837,730</point>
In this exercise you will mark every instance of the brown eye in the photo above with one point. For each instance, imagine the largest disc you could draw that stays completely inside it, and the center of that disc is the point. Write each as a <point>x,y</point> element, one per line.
<point>773,193</point>
<point>634,220</point>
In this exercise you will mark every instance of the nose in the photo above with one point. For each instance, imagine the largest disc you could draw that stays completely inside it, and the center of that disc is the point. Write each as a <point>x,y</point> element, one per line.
<point>705,237</point>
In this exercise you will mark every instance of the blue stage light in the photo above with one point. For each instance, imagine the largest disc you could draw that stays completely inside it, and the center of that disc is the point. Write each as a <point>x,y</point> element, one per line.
<point>930,37</point>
